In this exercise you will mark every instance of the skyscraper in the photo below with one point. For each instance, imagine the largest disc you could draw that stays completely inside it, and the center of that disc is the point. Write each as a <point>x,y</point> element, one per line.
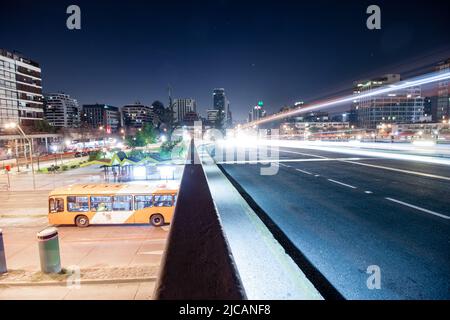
<point>256,113</point>
<point>443,96</point>
<point>181,107</point>
<point>21,99</point>
<point>62,111</point>
<point>222,105</point>
<point>219,99</point>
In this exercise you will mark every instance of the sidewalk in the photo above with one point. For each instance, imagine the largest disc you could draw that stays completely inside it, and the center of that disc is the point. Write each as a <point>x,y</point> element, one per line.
<point>49,181</point>
<point>120,291</point>
<point>114,262</point>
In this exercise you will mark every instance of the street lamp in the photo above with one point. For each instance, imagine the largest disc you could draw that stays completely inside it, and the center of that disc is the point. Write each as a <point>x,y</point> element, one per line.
<point>13,125</point>
<point>102,129</point>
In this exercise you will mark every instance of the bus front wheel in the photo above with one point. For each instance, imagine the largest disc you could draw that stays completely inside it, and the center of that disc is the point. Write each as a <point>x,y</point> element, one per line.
<point>157,220</point>
<point>82,221</point>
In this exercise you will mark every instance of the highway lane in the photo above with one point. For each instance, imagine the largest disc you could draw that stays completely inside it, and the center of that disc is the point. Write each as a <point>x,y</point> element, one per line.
<point>344,217</point>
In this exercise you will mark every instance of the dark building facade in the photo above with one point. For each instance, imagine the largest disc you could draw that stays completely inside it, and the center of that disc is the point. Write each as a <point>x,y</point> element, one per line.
<point>430,108</point>
<point>102,116</point>
<point>222,105</point>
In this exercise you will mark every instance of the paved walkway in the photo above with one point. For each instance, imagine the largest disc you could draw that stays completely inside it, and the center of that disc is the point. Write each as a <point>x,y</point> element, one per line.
<point>49,181</point>
<point>95,247</point>
<point>92,247</point>
<point>120,291</point>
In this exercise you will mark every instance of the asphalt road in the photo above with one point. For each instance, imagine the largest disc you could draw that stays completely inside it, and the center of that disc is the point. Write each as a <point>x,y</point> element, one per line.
<point>347,215</point>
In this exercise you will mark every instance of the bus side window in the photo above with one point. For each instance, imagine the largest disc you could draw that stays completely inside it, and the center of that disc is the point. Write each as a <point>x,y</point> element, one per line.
<point>162,200</point>
<point>174,200</point>
<point>77,204</point>
<point>141,202</point>
<point>122,203</point>
<point>101,203</point>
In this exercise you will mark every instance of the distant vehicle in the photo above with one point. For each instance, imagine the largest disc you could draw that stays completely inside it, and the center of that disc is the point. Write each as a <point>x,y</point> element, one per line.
<point>87,204</point>
<point>81,154</point>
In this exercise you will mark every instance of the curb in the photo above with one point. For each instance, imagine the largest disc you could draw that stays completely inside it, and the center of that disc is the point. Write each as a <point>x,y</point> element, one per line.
<point>85,281</point>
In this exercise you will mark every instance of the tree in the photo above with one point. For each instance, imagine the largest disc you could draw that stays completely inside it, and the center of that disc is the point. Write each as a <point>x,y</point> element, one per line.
<point>144,137</point>
<point>42,126</point>
<point>158,110</point>
<point>164,116</point>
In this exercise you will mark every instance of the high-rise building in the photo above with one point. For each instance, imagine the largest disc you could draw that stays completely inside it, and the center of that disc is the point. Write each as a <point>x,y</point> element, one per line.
<point>212,116</point>
<point>219,99</point>
<point>229,117</point>
<point>137,115</point>
<point>402,106</point>
<point>61,111</point>
<point>443,96</point>
<point>222,105</point>
<point>21,99</point>
<point>256,113</point>
<point>181,107</point>
<point>101,116</point>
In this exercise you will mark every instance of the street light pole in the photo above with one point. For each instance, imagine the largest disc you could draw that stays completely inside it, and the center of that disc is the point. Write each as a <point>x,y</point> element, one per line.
<point>30,143</point>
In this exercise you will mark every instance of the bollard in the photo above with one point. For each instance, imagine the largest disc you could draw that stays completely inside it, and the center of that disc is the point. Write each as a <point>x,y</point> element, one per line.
<point>3,268</point>
<point>49,250</point>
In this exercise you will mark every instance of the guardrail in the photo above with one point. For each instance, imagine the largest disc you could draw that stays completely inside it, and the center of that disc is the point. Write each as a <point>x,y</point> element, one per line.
<point>197,263</point>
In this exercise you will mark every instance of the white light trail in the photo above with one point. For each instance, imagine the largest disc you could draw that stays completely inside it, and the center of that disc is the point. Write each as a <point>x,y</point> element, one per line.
<point>418,81</point>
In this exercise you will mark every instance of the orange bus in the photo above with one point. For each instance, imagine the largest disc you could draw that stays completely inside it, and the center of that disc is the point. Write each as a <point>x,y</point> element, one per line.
<point>87,204</point>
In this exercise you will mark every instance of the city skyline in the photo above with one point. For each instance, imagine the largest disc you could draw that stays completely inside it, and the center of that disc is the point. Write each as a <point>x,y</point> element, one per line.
<point>198,54</point>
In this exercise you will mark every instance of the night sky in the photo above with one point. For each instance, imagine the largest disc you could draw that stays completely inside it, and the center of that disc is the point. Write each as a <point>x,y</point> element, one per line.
<point>276,51</point>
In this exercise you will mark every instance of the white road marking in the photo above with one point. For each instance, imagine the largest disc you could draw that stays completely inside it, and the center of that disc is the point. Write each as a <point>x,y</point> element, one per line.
<point>368,192</point>
<point>342,184</point>
<point>304,154</point>
<point>418,208</point>
<point>303,171</point>
<point>316,175</point>
<point>269,160</point>
<point>399,170</point>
